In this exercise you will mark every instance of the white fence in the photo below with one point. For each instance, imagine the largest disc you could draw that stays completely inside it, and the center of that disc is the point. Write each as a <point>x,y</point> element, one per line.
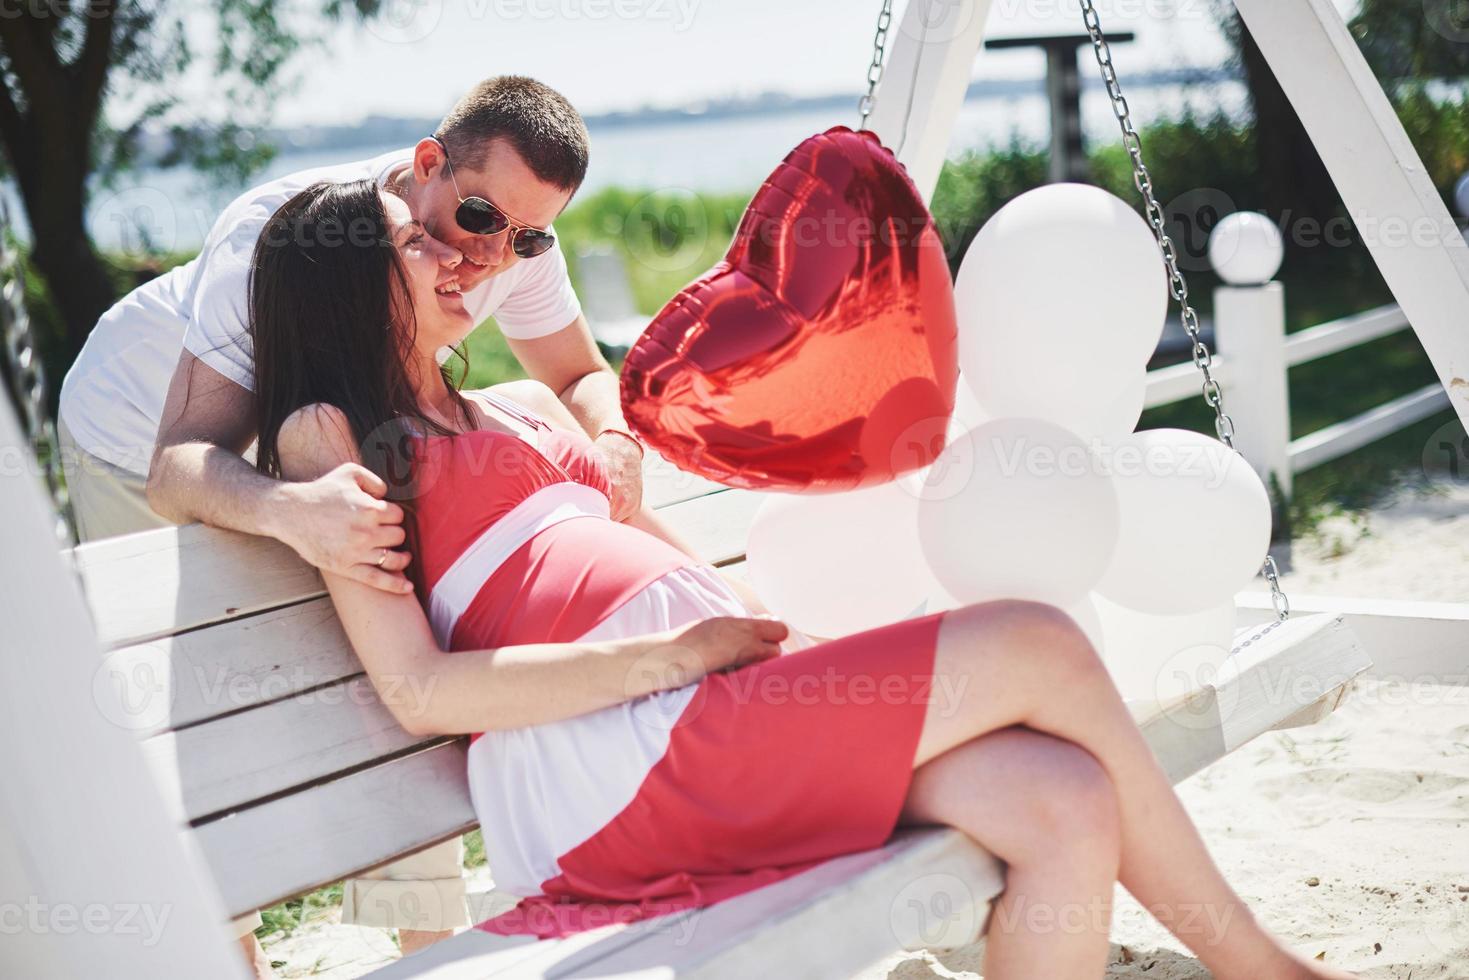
<point>1251,363</point>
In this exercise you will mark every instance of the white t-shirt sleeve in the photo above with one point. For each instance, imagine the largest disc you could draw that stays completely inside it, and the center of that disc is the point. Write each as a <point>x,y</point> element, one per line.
<point>541,301</point>
<point>219,309</point>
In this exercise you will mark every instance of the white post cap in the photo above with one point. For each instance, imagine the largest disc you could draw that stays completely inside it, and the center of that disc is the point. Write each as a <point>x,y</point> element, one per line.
<point>1246,249</point>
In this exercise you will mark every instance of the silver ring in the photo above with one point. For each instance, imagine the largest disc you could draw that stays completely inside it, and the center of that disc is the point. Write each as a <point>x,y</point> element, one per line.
<point>382,557</point>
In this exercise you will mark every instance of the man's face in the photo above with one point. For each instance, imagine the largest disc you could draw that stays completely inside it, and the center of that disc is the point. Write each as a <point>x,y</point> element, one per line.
<point>505,181</point>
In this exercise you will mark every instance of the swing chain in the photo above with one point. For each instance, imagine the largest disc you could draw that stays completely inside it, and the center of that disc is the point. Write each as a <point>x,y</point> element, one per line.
<point>866,104</point>
<point>1213,393</point>
<point>27,375</point>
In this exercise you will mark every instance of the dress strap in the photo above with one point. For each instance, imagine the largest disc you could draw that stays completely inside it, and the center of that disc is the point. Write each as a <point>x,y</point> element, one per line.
<point>513,409</point>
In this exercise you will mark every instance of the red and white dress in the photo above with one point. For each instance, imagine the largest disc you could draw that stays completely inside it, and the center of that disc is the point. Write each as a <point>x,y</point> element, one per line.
<point>676,799</point>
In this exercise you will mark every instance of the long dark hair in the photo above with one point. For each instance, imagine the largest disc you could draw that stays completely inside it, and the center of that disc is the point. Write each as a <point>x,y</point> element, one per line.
<point>327,296</point>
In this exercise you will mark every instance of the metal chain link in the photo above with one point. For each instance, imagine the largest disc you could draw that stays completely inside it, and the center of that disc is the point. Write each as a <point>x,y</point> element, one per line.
<point>28,376</point>
<point>866,104</point>
<point>1213,393</point>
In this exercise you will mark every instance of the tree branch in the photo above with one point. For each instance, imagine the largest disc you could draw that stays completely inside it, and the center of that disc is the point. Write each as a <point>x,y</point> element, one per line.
<point>96,57</point>
<point>34,63</point>
<point>13,126</point>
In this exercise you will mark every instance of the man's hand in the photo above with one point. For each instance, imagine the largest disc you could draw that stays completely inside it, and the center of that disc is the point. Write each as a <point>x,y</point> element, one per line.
<point>569,363</point>
<point>340,523</point>
<point>625,466</point>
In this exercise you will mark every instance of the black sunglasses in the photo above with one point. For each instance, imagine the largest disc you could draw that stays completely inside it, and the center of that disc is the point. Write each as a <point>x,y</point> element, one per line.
<point>479,217</point>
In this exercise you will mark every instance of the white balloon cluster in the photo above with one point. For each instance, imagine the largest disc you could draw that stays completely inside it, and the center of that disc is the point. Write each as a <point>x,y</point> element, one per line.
<point>1044,491</point>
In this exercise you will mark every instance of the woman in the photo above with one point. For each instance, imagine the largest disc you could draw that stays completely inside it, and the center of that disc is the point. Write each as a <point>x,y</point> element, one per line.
<point>643,742</point>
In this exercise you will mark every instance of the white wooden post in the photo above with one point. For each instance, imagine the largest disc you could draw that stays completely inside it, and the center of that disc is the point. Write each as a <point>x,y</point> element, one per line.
<point>1249,331</point>
<point>1400,215</point>
<point>924,82</point>
<point>96,879</point>
<point>1246,249</point>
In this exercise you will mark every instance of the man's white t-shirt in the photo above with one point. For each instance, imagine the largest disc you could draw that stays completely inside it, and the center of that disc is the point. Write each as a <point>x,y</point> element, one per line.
<point>112,398</point>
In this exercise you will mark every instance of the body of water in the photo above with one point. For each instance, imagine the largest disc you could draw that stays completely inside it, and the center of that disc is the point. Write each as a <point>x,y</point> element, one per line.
<point>167,210</point>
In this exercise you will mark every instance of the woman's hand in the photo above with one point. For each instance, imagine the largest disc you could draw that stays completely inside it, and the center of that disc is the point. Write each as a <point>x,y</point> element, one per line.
<point>681,656</point>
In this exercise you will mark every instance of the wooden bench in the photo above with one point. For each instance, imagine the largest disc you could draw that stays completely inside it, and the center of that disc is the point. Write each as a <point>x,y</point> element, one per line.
<point>272,746</point>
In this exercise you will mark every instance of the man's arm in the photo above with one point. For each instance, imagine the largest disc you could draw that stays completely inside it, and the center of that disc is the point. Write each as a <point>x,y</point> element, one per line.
<point>569,363</point>
<point>337,522</point>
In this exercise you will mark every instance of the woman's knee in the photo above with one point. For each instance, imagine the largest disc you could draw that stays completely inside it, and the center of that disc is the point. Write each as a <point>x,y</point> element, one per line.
<point>1030,797</point>
<point>1075,808</point>
<point>1033,632</point>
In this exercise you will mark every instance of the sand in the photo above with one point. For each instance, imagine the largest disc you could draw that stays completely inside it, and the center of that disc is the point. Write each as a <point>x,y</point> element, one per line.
<point>1349,838</point>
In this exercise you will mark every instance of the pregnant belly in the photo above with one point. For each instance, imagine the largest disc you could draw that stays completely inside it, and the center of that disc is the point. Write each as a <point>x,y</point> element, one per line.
<point>540,790</point>
<point>564,581</point>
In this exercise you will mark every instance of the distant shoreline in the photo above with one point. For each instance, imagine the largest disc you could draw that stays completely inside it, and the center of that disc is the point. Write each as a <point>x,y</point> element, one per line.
<point>393,130</point>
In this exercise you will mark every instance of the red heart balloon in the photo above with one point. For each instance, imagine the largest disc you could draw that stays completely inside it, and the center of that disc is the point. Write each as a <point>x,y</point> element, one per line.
<point>821,354</point>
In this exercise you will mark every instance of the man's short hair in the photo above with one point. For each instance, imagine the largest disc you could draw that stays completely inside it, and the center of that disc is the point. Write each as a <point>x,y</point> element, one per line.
<point>534,118</point>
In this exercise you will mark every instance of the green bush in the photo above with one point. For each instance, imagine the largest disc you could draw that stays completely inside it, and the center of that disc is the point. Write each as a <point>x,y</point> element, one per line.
<point>667,238</point>
<point>973,186</point>
<point>1439,129</point>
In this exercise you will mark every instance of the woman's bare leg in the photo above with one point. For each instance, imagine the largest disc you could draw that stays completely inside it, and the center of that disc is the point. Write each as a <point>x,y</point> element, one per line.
<point>1047,809</point>
<point>1012,662</point>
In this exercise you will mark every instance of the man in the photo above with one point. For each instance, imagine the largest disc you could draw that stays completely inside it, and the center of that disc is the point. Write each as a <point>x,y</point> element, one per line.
<point>158,410</point>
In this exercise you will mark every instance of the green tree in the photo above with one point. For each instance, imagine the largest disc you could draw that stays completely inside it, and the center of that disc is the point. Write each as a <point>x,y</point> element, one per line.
<point>1414,41</point>
<point>63,61</point>
<point>1292,178</point>
<point>1408,46</point>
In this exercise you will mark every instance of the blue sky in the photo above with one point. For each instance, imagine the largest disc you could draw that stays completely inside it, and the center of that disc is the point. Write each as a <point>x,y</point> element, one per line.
<point>610,54</point>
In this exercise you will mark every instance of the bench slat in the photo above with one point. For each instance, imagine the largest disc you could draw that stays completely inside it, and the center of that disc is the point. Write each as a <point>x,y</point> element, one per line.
<point>291,845</point>
<point>716,525</point>
<point>908,891</point>
<point>925,888</point>
<point>238,759</point>
<point>664,483</point>
<point>158,583</point>
<point>475,955</point>
<point>179,681</point>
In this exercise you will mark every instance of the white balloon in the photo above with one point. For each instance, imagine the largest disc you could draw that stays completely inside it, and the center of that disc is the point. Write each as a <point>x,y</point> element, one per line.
<point>1154,658</point>
<point>946,476</point>
<point>837,563</point>
<point>1195,522</point>
<point>1061,298</point>
<point>968,412</point>
<point>955,464</point>
<point>1107,421</point>
<point>1023,510</point>
<point>1113,420</point>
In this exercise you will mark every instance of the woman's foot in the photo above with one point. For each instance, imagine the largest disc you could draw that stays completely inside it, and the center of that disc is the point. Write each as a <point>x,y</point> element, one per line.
<point>411,941</point>
<point>255,956</point>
